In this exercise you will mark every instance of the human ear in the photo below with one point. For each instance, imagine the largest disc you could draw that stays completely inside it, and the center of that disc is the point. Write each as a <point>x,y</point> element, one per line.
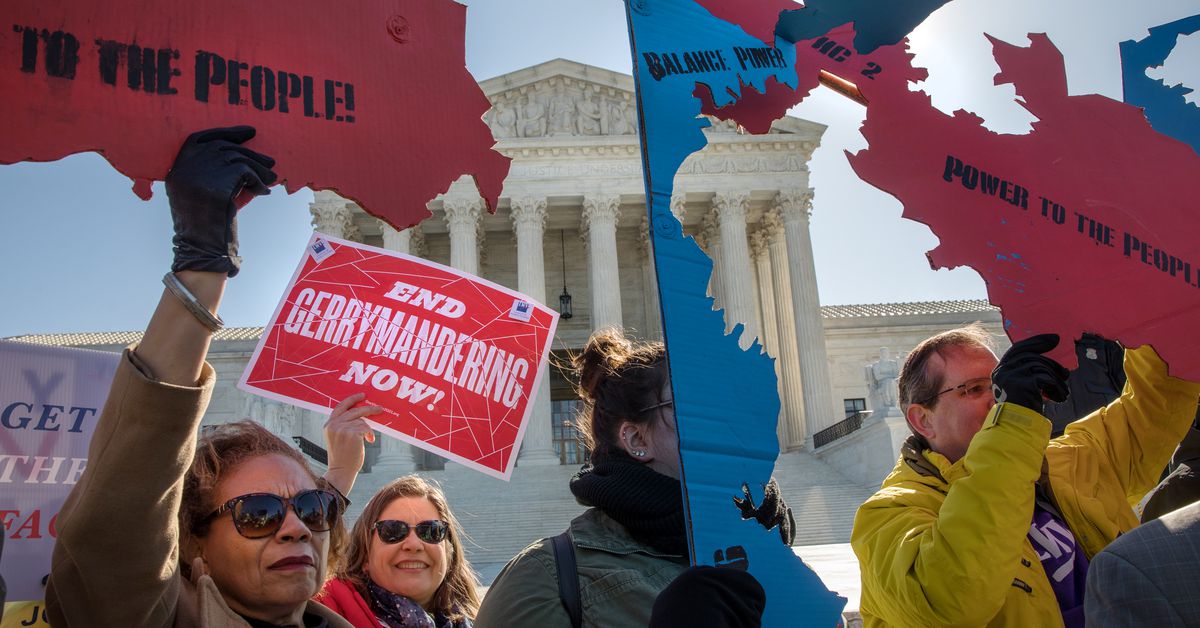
<point>917,416</point>
<point>635,440</point>
<point>191,547</point>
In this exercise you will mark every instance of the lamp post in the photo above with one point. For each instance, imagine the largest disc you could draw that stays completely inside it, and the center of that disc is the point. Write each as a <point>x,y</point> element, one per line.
<point>564,299</point>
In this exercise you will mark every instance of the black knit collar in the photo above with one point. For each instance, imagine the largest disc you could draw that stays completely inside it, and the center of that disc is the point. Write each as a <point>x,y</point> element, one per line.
<point>649,504</point>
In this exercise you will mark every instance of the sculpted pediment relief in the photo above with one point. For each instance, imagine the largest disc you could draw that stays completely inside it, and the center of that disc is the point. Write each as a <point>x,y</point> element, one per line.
<point>562,99</point>
<point>562,106</point>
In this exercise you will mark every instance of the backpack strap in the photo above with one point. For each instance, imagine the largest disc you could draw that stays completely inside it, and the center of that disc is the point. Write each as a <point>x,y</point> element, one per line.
<point>568,577</point>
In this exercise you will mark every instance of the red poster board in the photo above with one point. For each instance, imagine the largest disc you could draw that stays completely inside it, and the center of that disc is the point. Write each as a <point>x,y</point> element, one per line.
<point>454,359</point>
<point>345,98</point>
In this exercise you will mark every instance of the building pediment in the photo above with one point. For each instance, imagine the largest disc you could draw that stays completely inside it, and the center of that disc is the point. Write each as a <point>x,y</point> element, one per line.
<point>562,98</point>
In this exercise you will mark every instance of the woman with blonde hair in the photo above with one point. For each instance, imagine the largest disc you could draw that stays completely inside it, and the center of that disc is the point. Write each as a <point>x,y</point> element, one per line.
<point>405,565</point>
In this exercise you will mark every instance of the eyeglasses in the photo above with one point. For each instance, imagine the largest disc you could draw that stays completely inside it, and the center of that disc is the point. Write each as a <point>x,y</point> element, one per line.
<point>661,404</point>
<point>970,389</point>
<point>258,515</point>
<point>392,531</point>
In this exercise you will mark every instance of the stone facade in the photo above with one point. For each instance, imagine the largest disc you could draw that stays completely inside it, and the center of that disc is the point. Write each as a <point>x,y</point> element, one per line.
<point>575,191</point>
<point>572,218</point>
<point>854,334</point>
<point>825,486</point>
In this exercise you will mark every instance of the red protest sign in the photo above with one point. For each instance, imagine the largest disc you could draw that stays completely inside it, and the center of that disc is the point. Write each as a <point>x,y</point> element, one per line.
<point>451,357</point>
<point>341,99</point>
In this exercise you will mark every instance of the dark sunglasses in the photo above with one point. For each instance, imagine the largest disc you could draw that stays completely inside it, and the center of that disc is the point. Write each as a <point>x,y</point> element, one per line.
<point>392,531</point>
<point>258,515</point>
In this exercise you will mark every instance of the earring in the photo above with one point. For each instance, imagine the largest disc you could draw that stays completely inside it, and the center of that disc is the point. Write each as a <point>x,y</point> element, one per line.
<point>640,453</point>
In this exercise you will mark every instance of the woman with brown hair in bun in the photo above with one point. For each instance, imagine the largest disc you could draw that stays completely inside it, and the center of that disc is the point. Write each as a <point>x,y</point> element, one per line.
<point>632,541</point>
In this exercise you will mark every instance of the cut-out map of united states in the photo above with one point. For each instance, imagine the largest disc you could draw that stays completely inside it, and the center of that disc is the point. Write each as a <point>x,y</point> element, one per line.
<point>1084,224</point>
<point>340,101</point>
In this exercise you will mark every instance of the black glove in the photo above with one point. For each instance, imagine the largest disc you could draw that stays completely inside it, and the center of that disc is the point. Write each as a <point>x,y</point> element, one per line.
<point>710,596</point>
<point>1026,377</point>
<point>211,174</point>
<point>772,512</point>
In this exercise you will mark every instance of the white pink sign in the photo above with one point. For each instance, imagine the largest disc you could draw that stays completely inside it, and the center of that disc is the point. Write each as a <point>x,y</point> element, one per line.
<point>50,400</point>
<point>454,359</point>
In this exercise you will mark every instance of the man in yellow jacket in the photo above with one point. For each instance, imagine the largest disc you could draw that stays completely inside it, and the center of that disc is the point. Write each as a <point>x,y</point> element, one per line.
<point>986,521</point>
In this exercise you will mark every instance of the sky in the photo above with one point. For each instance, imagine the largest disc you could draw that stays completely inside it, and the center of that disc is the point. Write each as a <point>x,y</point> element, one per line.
<point>84,254</point>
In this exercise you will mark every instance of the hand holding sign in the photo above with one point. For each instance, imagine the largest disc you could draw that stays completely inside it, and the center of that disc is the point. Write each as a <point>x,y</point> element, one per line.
<point>213,177</point>
<point>345,432</point>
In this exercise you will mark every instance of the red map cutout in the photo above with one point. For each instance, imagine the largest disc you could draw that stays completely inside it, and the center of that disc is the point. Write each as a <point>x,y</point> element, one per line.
<point>343,100</point>
<point>831,53</point>
<point>1087,223</point>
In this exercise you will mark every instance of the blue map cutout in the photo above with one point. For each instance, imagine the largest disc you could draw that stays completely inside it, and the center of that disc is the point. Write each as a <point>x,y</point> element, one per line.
<point>875,23</point>
<point>725,398</point>
<point>1166,109</point>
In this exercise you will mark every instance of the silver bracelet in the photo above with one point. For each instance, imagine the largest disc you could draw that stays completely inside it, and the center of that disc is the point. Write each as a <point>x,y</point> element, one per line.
<point>193,305</point>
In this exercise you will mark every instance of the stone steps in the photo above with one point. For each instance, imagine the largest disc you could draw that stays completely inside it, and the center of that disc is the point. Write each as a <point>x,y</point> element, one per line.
<point>501,518</point>
<point>823,501</point>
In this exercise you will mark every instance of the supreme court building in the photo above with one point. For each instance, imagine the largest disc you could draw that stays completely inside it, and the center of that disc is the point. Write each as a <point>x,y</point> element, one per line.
<point>571,226</point>
<point>572,223</point>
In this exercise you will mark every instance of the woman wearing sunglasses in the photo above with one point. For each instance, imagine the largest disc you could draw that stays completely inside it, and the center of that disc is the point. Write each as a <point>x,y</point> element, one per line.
<point>405,567</point>
<point>161,530</point>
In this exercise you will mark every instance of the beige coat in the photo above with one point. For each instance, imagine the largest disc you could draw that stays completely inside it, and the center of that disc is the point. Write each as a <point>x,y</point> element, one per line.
<point>116,562</point>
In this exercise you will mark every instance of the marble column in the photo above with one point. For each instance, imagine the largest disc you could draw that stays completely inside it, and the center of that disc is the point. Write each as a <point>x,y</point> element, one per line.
<point>795,206</point>
<point>710,241</point>
<point>334,216</point>
<point>411,241</point>
<point>529,224</point>
<point>735,264</point>
<point>398,241</point>
<point>654,329</point>
<point>396,457</point>
<point>756,300</point>
<point>761,254</point>
<point>600,214</point>
<point>463,221</point>
<point>791,395</point>
<point>462,217</point>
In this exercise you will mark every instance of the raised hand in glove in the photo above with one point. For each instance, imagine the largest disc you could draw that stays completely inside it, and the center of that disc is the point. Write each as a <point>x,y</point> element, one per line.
<point>772,512</point>
<point>717,597</point>
<point>1027,378</point>
<point>213,176</point>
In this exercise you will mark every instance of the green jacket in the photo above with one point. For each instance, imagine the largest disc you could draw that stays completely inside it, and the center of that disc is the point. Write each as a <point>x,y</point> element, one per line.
<point>618,580</point>
<point>945,544</point>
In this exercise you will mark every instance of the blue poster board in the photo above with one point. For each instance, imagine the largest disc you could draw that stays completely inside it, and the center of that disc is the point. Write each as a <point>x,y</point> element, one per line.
<point>726,401</point>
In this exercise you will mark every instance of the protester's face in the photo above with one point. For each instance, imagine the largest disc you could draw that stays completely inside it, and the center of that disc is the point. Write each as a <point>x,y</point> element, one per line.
<point>271,577</point>
<point>955,418</point>
<point>412,567</point>
<point>665,437</point>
